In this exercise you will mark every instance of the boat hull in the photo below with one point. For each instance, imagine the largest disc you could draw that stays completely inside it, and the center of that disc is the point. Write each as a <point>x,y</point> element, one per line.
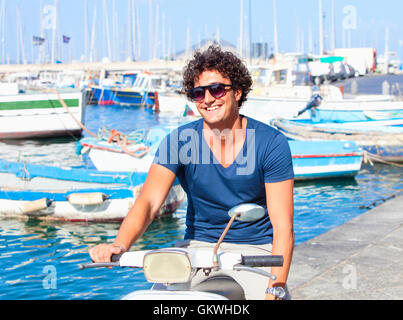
<point>41,115</point>
<point>61,209</point>
<point>53,193</point>
<point>379,145</point>
<point>324,160</point>
<point>114,96</point>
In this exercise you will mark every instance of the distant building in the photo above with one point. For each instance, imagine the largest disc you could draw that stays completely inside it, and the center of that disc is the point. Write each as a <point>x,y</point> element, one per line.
<point>260,50</point>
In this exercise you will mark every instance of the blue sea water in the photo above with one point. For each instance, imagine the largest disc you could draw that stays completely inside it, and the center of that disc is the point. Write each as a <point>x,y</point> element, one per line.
<point>39,260</point>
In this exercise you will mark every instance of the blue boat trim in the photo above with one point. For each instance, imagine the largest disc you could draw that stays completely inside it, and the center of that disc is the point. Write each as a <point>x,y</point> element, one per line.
<point>30,171</point>
<point>326,175</point>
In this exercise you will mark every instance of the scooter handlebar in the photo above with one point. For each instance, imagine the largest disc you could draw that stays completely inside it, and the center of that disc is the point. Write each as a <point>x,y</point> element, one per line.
<point>116,257</point>
<point>262,261</point>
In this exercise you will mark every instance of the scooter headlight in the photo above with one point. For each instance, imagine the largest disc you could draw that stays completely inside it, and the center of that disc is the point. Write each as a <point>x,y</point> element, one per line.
<point>167,266</point>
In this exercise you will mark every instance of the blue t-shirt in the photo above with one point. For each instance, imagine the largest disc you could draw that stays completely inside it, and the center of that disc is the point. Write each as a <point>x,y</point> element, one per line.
<point>213,189</point>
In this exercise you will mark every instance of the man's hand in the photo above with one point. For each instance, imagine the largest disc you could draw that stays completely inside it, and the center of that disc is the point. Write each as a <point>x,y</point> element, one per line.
<point>103,252</point>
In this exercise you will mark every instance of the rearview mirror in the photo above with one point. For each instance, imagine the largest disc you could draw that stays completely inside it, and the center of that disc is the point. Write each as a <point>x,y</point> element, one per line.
<point>247,212</point>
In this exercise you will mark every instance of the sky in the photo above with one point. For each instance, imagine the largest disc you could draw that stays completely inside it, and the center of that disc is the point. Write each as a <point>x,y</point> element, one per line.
<point>176,23</point>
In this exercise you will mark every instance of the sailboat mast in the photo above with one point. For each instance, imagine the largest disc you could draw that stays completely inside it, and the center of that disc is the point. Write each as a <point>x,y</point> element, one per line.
<point>333,26</point>
<point>275,38</point>
<point>241,32</point>
<point>320,28</point>
<point>106,28</point>
<point>86,29</point>
<point>114,33</point>
<point>92,46</point>
<point>129,29</point>
<point>250,31</point>
<point>3,30</point>
<point>151,26</point>
<point>134,21</point>
<point>138,32</point>
<point>163,36</point>
<point>20,41</point>
<point>18,35</point>
<point>157,33</point>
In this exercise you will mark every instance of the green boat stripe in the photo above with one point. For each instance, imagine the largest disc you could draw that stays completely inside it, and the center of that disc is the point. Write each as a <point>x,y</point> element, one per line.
<point>39,104</point>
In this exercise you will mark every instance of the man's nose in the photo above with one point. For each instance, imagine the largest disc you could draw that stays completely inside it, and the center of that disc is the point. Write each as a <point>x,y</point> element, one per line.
<point>208,98</point>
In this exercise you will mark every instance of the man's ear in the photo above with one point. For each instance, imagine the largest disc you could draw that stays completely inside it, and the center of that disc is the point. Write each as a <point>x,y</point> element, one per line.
<point>238,94</point>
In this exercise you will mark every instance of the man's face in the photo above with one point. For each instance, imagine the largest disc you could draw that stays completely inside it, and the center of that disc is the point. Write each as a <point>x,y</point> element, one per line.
<point>217,111</point>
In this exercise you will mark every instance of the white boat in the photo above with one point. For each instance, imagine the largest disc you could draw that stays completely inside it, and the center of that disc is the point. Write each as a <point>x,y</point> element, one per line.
<point>41,114</point>
<point>133,152</point>
<point>176,104</point>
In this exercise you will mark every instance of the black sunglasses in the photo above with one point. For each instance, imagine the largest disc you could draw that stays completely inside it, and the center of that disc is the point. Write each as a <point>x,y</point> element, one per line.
<point>217,90</point>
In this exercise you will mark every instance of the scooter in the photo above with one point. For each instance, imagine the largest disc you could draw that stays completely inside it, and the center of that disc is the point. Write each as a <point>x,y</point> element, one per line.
<point>171,269</point>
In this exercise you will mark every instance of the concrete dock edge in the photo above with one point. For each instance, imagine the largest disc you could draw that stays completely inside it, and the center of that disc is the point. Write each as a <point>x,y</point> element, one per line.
<point>359,260</point>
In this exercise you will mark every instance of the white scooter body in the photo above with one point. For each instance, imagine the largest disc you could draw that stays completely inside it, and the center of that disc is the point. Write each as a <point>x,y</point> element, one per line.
<point>171,269</point>
<point>199,259</point>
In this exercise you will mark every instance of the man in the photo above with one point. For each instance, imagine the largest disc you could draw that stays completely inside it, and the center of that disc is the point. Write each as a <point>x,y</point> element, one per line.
<point>222,160</point>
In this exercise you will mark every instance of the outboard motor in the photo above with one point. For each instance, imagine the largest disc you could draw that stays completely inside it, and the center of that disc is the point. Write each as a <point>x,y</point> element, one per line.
<point>314,102</point>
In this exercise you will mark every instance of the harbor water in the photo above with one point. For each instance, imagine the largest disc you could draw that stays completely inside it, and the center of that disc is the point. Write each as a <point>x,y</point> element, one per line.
<point>39,260</point>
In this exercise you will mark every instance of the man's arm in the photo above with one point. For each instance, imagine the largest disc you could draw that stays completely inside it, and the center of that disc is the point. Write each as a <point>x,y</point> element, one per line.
<point>280,205</point>
<point>153,194</point>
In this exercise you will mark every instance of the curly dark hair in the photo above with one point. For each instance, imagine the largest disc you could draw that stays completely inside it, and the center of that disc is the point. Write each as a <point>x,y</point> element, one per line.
<point>225,62</point>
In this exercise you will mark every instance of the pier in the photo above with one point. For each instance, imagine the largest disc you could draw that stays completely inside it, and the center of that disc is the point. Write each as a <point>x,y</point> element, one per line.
<point>359,260</point>
<point>94,66</point>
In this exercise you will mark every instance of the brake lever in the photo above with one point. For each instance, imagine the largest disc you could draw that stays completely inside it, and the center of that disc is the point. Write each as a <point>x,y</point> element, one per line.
<point>98,265</point>
<point>239,267</point>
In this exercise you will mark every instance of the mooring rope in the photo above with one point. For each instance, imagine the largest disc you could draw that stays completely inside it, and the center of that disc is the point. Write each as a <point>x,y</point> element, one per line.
<point>63,103</point>
<point>370,157</point>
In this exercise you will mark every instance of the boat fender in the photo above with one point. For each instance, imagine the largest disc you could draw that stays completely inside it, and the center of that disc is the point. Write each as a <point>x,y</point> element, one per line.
<point>87,199</point>
<point>34,206</point>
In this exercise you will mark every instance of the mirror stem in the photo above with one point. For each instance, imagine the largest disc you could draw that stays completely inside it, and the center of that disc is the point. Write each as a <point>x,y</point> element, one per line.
<point>215,256</point>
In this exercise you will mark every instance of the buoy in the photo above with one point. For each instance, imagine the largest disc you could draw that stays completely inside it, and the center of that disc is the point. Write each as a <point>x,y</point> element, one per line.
<point>342,90</point>
<point>36,205</point>
<point>87,199</point>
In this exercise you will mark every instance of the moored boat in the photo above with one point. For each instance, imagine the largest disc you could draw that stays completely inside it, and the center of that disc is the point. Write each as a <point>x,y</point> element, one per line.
<point>72,194</point>
<point>141,90</point>
<point>325,159</point>
<point>42,114</point>
<point>382,140</point>
<point>115,151</point>
<point>311,160</point>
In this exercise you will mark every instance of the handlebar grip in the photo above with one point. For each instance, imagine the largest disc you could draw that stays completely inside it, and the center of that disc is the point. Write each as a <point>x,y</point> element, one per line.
<point>262,261</point>
<point>116,257</point>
